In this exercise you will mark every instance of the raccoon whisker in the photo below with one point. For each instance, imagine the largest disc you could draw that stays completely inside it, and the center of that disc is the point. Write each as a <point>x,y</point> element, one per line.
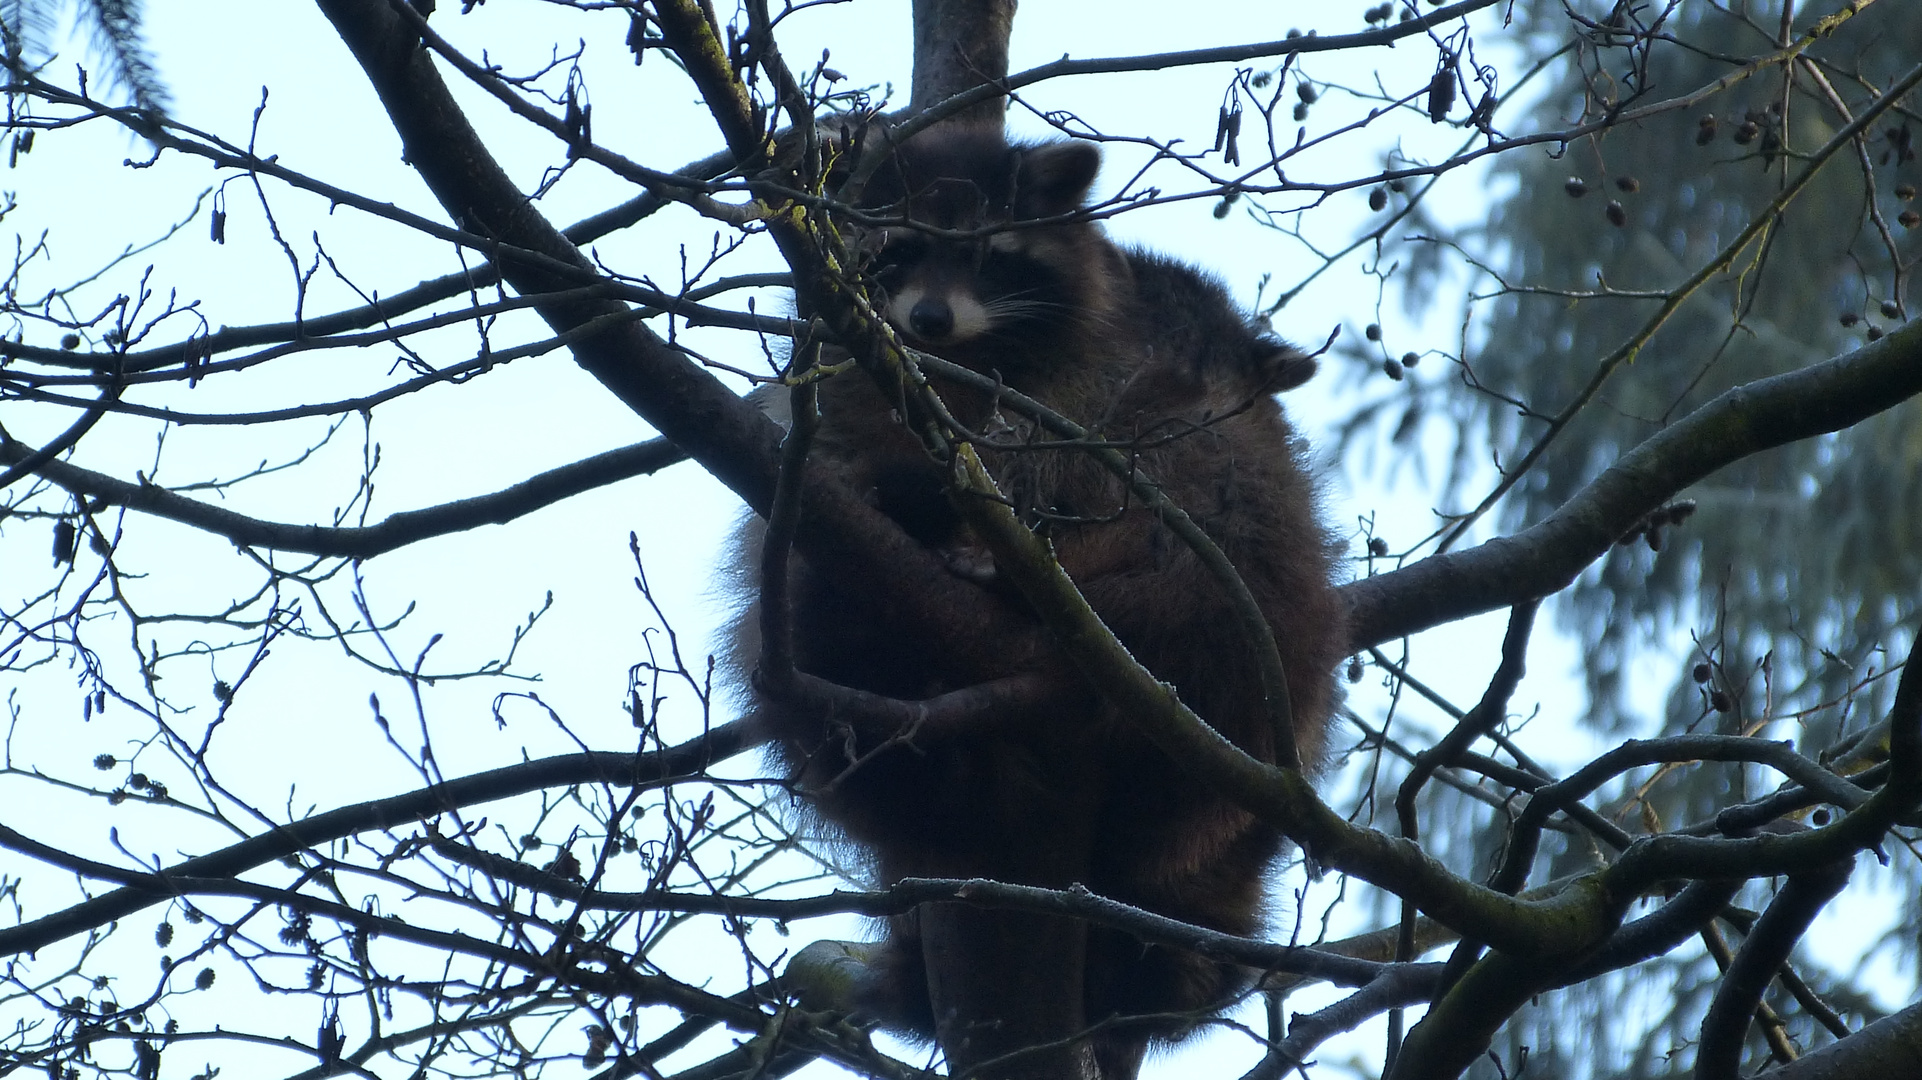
<point>1005,307</point>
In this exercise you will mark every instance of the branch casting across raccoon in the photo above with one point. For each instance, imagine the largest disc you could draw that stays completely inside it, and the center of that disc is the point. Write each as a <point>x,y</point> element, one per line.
<point>1057,788</point>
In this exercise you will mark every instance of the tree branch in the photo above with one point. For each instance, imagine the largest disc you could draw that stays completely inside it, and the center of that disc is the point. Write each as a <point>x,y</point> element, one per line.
<point>1769,943</point>
<point>646,770</point>
<point>843,536</point>
<point>1892,1046</point>
<point>1544,558</point>
<point>959,45</point>
<point>364,542</point>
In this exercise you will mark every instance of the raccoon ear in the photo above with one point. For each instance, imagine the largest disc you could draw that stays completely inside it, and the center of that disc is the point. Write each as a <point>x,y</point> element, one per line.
<point>1286,367</point>
<point>1054,178</point>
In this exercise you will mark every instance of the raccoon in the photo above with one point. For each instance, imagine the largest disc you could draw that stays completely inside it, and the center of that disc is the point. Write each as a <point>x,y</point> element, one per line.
<point>1143,350</point>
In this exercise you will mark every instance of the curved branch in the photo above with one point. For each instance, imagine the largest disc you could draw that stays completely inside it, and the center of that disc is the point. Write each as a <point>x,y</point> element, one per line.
<point>1654,934</point>
<point>1892,1046</point>
<point>1725,1028</point>
<point>365,542</point>
<point>971,100</point>
<point>1399,987</point>
<point>25,460</point>
<point>1657,858</point>
<point>1546,557</point>
<point>686,404</point>
<point>654,769</point>
<point>729,437</point>
<point>1526,835</point>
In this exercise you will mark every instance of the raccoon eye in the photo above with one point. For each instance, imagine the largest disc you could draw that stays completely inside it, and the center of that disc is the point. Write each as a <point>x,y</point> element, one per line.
<point>896,255</point>
<point>901,250</point>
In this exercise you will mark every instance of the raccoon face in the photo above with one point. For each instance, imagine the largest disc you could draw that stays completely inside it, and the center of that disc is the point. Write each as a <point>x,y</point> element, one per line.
<point>942,294</point>
<point>1011,290</point>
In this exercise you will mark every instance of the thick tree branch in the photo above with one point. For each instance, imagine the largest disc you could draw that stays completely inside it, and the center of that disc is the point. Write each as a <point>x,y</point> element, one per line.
<point>1545,558</point>
<point>1890,1047</point>
<point>1769,943</point>
<point>959,45</point>
<point>689,406</point>
<point>730,438</point>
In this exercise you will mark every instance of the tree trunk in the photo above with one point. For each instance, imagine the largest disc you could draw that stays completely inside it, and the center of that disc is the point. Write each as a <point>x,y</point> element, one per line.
<point>958,45</point>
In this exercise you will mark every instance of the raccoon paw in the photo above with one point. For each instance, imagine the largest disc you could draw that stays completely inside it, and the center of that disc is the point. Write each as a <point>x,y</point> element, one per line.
<point>1286,368</point>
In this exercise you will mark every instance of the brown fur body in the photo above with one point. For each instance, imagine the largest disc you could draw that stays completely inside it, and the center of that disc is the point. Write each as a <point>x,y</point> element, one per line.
<point>1140,349</point>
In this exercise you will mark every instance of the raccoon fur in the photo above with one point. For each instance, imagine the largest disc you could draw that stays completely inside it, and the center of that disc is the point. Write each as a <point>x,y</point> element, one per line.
<point>1143,350</point>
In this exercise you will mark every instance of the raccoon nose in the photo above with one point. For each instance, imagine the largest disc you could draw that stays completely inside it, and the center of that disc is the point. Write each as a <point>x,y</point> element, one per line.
<point>931,319</point>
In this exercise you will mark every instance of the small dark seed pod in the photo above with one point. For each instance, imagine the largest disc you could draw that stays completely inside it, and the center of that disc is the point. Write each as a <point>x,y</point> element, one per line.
<point>1377,198</point>
<point>1848,318</point>
<point>1441,94</point>
<point>1392,369</point>
<point>1719,701</point>
<point>1746,133</point>
<point>1908,219</point>
<point>1891,309</point>
<point>1409,359</point>
<point>1874,333</point>
<point>636,37</point>
<point>1306,92</point>
<point>1905,192</point>
<point>1372,332</point>
<point>70,342</point>
<point>1628,184</point>
<point>1617,216</point>
<point>1377,546</point>
<point>1575,187</point>
<point>1705,130</point>
<point>1701,672</point>
<point>1354,669</point>
<point>1301,111</point>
